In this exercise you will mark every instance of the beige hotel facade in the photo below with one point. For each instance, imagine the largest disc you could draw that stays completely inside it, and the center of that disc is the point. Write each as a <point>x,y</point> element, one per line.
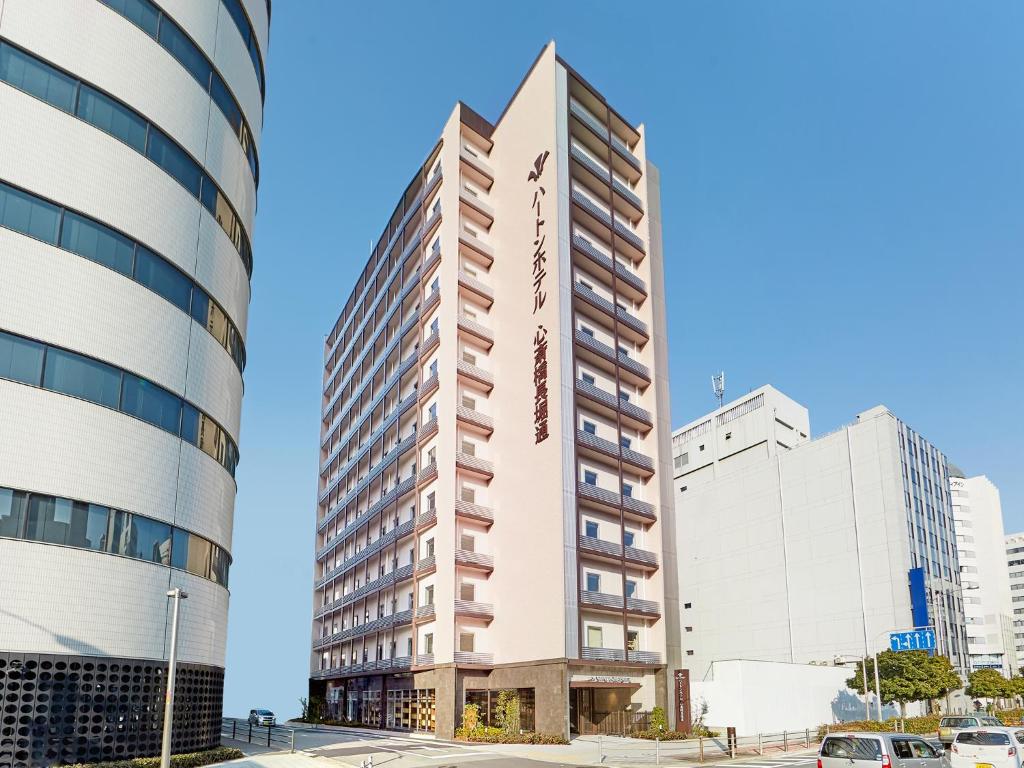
<point>495,474</point>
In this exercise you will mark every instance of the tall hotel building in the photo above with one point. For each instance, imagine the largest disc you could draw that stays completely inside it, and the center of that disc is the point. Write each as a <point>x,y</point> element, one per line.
<point>128,172</point>
<point>494,451</point>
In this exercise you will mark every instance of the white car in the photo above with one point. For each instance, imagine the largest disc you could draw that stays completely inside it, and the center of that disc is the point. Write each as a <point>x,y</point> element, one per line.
<point>987,748</point>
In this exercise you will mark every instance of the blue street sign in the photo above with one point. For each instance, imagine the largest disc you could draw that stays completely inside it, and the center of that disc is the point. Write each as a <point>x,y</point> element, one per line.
<point>912,640</point>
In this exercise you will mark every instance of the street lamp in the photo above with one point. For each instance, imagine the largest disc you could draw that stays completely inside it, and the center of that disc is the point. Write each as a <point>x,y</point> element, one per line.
<point>840,660</point>
<point>172,667</point>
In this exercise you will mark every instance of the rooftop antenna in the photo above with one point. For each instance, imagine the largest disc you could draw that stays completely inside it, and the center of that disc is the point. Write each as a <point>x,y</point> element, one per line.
<point>718,385</point>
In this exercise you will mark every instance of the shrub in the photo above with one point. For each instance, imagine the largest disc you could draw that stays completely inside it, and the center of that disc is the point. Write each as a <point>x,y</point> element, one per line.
<point>506,714</point>
<point>471,717</point>
<point>666,735</point>
<point>490,735</point>
<point>186,760</point>
<point>659,720</point>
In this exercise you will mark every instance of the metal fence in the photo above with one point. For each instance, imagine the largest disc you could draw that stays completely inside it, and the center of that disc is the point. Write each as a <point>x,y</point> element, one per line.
<point>269,736</point>
<point>611,751</point>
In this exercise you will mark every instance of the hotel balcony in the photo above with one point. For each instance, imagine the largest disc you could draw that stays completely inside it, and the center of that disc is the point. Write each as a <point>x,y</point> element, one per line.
<point>594,444</point>
<point>483,173</point>
<point>481,422</point>
<point>399,662</point>
<point>426,566</point>
<point>474,659</point>
<point>475,374</point>
<point>474,512</point>
<point>477,332</point>
<point>634,415</point>
<point>627,276</point>
<point>373,548</point>
<point>390,497</point>
<point>610,501</point>
<point>400,619</point>
<point>612,311</point>
<point>424,659</point>
<point>623,232</point>
<point>614,604</point>
<point>428,473</point>
<point>427,519</point>
<point>638,370</point>
<point>618,654</point>
<point>474,464</point>
<point>428,431</point>
<point>475,208</point>
<point>474,610</point>
<point>426,612</point>
<point>612,551</point>
<point>429,343</point>
<point>472,288</point>
<point>476,248</point>
<point>626,202</point>
<point>474,560</point>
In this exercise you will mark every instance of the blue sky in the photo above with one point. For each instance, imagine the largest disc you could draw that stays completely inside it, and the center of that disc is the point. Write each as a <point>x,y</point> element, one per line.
<point>842,189</point>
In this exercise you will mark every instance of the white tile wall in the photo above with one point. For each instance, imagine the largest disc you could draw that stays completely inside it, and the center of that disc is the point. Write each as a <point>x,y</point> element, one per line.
<point>110,458</point>
<point>106,604</point>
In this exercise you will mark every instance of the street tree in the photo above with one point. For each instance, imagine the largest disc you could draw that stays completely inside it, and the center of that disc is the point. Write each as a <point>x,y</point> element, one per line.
<point>988,684</point>
<point>945,677</point>
<point>907,676</point>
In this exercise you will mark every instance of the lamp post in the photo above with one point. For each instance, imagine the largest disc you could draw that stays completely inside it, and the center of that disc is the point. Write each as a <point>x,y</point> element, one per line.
<point>172,667</point>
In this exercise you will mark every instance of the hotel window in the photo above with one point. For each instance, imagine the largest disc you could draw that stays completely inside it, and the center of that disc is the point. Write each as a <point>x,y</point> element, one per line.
<point>590,427</point>
<point>628,537</point>
<point>468,402</point>
<point>589,477</point>
<point>593,582</point>
<point>591,529</point>
<point>467,543</point>
<point>468,448</point>
<point>587,330</point>
<point>630,588</point>
<point>595,637</point>
<point>627,490</point>
<point>587,378</point>
<point>428,594</point>
<point>435,327</point>
<point>430,547</point>
<point>467,591</point>
<point>428,642</point>
<point>632,640</point>
<point>468,494</point>
<point>431,502</point>
<point>466,642</point>
<point>625,442</point>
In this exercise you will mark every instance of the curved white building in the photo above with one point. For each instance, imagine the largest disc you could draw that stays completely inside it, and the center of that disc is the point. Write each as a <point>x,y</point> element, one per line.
<point>128,172</point>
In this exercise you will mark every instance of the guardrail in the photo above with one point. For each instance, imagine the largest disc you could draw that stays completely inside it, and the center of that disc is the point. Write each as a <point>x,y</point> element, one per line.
<point>236,729</point>
<point>612,751</point>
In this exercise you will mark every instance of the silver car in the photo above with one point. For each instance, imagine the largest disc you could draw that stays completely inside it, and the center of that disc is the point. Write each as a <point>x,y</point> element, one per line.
<point>262,717</point>
<point>888,750</point>
<point>951,725</point>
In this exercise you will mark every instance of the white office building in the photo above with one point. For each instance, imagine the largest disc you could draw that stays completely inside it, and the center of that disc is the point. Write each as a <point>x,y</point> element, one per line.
<point>128,171</point>
<point>799,550</point>
<point>981,545</point>
<point>1015,569</point>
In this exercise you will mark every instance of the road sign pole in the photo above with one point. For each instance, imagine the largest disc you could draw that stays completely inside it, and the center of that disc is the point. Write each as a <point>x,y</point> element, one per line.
<point>878,691</point>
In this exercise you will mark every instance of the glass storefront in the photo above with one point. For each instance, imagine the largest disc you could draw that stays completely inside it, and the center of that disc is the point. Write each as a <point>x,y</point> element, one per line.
<point>412,710</point>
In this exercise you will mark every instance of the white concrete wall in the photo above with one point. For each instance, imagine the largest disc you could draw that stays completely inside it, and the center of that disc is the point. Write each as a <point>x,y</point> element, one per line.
<point>769,697</point>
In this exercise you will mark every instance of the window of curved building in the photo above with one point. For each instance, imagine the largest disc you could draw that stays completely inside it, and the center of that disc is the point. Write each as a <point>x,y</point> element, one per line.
<point>30,215</point>
<point>55,520</point>
<point>164,30</point>
<point>27,361</point>
<point>38,78</point>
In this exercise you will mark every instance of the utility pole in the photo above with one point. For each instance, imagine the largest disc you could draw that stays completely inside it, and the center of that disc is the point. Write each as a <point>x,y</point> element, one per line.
<point>172,667</point>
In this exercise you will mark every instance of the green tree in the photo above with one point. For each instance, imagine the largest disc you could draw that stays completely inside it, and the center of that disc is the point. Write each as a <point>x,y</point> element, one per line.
<point>659,721</point>
<point>907,676</point>
<point>988,684</point>
<point>946,678</point>
<point>506,714</point>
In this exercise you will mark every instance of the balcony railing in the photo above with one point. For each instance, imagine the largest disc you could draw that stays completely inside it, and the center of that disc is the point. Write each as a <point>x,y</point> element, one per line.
<point>428,431</point>
<point>474,417</point>
<point>429,472</point>
<point>475,285</point>
<point>621,272</point>
<point>596,167</point>
<point>425,611</point>
<point>611,499</point>
<point>425,564</point>
<point>477,329</point>
<point>474,560</point>
<point>465,657</point>
<point>395,577</point>
<point>611,309</point>
<point>599,347</point>
<point>474,511</point>
<point>429,343</point>
<point>398,619</point>
<point>584,116</point>
<point>625,152</point>
<point>399,662</point>
<point>373,548</point>
<point>477,162</point>
<point>476,244</point>
<point>597,546</point>
<point>428,518</point>
<point>588,440</point>
<point>608,399</point>
<point>432,300</point>
<point>636,605</point>
<point>628,194</point>
<point>388,498</point>
<point>601,600</point>
<point>475,372</point>
<point>602,654</point>
<point>384,425</point>
<point>424,659</point>
<point>641,556</point>
<point>474,463</point>
<point>644,657</point>
<point>474,609</point>
<point>638,506</point>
